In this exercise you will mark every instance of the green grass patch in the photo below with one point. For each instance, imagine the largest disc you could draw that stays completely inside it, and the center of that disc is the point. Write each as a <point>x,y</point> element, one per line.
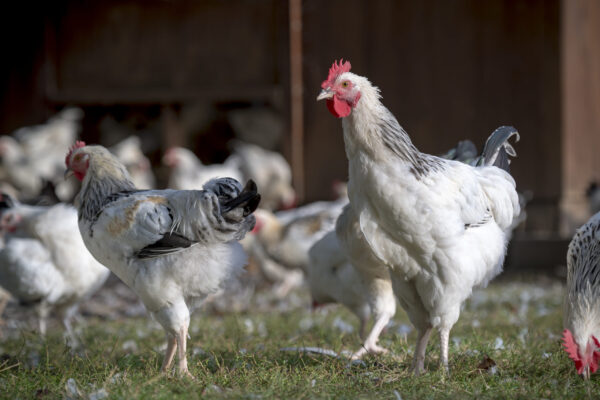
<point>516,325</point>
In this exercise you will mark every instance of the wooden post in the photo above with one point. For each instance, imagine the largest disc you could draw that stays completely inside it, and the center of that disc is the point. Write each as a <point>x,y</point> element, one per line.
<point>580,60</point>
<point>296,98</point>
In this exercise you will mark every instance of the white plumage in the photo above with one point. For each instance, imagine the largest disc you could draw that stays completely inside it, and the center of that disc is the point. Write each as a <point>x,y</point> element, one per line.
<point>35,154</point>
<point>172,247</point>
<point>271,172</point>
<point>582,302</point>
<point>129,153</point>
<point>333,279</point>
<point>438,225</point>
<point>45,262</point>
<point>188,172</point>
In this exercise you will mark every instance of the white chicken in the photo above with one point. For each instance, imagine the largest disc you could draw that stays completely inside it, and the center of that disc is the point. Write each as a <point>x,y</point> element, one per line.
<point>19,169</point>
<point>332,279</point>
<point>582,302</point>
<point>34,154</point>
<point>438,225</point>
<point>44,261</point>
<point>188,172</point>
<point>271,172</point>
<point>329,261</point>
<point>280,242</point>
<point>172,247</point>
<point>129,153</point>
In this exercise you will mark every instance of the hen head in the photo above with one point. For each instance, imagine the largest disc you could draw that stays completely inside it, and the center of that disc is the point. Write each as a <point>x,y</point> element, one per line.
<point>341,89</point>
<point>586,362</point>
<point>9,220</point>
<point>77,161</point>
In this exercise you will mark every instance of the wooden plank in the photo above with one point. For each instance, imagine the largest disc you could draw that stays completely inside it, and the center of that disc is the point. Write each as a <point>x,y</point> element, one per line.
<point>580,60</point>
<point>543,254</point>
<point>296,97</point>
<point>149,95</point>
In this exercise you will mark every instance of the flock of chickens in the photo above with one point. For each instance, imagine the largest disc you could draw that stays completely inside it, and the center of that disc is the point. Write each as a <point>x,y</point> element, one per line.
<point>409,226</point>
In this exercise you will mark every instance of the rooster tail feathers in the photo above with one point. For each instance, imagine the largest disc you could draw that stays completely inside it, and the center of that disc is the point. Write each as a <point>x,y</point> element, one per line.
<point>248,200</point>
<point>6,201</point>
<point>497,148</point>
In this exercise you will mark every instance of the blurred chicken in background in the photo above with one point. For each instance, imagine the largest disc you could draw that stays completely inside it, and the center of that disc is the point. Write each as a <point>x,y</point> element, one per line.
<point>270,171</point>
<point>129,153</point>
<point>44,263</point>
<point>188,172</point>
<point>34,155</point>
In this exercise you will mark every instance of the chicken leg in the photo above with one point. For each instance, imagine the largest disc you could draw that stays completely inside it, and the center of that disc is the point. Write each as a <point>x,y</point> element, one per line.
<point>182,367</point>
<point>444,336</point>
<point>171,347</point>
<point>383,304</point>
<point>419,360</point>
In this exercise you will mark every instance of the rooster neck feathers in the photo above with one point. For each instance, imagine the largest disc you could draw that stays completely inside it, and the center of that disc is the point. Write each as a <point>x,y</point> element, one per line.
<point>105,177</point>
<point>372,127</point>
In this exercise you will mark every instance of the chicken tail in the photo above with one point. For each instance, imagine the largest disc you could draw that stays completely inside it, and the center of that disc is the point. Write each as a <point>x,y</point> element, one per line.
<point>6,201</point>
<point>247,200</point>
<point>236,205</point>
<point>497,148</point>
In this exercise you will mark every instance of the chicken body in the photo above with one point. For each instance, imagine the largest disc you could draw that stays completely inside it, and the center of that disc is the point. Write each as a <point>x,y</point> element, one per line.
<point>271,172</point>
<point>34,154</point>
<point>280,244</point>
<point>45,262</point>
<point>438,225</point>
<point>171,247</point>
<point>366,288</point>
<point>129,153</point>
<point>188,172</point>
<point>582,302</point>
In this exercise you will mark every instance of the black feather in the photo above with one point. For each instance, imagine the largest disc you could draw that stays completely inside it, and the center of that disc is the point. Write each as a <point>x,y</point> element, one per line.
<point>248,199</point>
<point>6,201</point>
<point>169,243</point>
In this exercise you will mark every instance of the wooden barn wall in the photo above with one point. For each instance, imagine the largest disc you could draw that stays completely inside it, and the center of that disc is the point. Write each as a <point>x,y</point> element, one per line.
<point>580,66</point>
<point>152,52</point>
<point>166,51</point>
<point>448,70</point>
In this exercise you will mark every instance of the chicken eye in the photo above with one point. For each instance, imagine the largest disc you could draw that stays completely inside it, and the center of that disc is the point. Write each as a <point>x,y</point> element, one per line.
<point>345,84</point>
<point>77,158</point>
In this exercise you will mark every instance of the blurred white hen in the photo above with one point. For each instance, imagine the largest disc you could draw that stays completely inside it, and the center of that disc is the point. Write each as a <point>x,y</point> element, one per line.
<point>188,172</point>
<point>129,153</point>
<point>270,171</point>
<point>44,261</point>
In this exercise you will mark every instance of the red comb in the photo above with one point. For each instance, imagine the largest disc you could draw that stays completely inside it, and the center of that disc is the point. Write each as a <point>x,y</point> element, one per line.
<point>335,71</point>
<point>571,349</point>
<point>596,358</point>
<point>78,144</point>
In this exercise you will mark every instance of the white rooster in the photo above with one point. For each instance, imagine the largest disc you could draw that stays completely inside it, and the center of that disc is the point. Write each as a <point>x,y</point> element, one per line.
<point>438,225</point>
<point>582,302</point>
<point>44,261</point>
<point>172,247</point>
<point>332,278</point>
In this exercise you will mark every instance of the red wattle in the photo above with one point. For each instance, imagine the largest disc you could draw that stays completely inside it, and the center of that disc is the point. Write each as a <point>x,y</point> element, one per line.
<point>339,108</point>
<point>79,175</point>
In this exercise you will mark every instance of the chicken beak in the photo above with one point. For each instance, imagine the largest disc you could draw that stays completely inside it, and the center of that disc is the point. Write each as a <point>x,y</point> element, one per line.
<point>325,94</point>
<point>68,173</point>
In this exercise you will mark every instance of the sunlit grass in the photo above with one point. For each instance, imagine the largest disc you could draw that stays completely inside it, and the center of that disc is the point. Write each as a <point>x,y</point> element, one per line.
<point>238,356</point>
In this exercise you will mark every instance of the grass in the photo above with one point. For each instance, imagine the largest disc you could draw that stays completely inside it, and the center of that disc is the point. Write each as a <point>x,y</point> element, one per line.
<point>238,356</point>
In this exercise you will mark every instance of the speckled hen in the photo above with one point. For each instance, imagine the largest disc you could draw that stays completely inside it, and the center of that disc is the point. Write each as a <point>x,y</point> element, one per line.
<point>172,247</point>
